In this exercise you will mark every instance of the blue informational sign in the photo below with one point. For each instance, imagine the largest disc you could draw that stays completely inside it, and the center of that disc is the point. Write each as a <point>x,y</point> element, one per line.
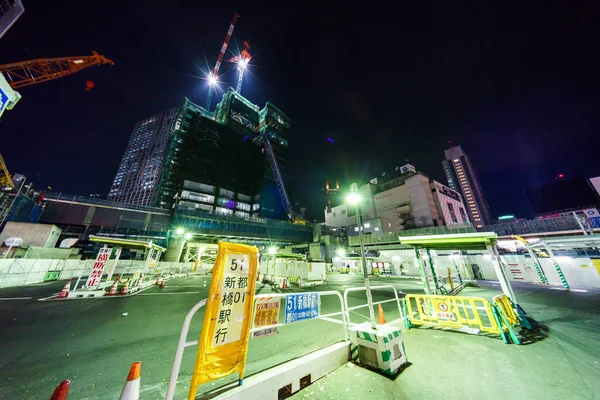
<point>299,307</point>
<point>595,222</point>
<point>3,100</point>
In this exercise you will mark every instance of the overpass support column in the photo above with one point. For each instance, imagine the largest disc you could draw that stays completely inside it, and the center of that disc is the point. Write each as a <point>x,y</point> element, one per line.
<point>502,278</point>
<point>563,280</point>
<point>174,249</point>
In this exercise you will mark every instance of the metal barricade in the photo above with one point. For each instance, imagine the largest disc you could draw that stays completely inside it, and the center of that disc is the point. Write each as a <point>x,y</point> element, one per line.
<point>326,317</point>
<point>183,342</point>
<point>357,289</point>
<point>454,312</point>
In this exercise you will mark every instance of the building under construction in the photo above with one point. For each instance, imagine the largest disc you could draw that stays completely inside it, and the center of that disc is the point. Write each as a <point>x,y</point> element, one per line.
<point>212,161</point>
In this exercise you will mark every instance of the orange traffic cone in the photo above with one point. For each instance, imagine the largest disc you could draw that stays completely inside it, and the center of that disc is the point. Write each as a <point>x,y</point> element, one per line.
<point>65,291</point>
<point>125,289</point>
<point>61,391</point>
<point>113,289</point>
<point>157,281</point>
<point>131,391</point>
<point>381,316</point>
<point>162,283</point>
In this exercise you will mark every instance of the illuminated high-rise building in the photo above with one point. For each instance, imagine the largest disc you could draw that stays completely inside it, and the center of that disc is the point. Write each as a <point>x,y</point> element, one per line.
<point>10,11</point>
<point>136,181</point>
<point>462,178</point>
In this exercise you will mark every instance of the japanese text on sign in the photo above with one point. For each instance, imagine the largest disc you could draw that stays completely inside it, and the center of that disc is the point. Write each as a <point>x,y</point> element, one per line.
<point>265,314</point>
<point>301,306</point>
<point>98,268</point>
<point>233,297</point>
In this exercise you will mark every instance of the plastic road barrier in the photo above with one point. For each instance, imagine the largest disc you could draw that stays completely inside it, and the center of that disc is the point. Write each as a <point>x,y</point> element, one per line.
<point>468,314</point>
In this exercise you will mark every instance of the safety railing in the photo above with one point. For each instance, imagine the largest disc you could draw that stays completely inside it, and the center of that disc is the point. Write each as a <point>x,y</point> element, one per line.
<point>396,299</point>
<point>454,312</point>
<point>326,317</point>
<point>183,342</point>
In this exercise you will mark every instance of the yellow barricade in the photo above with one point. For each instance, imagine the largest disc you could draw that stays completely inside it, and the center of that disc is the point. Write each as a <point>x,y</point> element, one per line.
<point>452,312</point>
<point>503,302</point>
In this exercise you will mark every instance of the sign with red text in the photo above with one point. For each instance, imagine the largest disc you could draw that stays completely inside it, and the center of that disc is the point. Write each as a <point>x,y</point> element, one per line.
<point>266,313</point>
<point>98,268</point>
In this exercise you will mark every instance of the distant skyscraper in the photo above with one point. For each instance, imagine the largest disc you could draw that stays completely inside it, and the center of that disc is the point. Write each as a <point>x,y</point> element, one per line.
<point>463,179</point>
<point>10,11</point>
<point>137,178</point>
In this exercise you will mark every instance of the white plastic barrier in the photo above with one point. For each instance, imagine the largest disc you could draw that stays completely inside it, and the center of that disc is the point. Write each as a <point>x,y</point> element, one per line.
<point>19,271</point>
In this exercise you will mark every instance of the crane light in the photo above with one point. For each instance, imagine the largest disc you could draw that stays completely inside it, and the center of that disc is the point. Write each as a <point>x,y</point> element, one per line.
<point>212,80</point>
<point>243,63</point>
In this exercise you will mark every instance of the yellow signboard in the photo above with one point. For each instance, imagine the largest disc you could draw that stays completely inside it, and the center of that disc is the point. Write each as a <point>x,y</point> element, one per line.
<point>223,342</point>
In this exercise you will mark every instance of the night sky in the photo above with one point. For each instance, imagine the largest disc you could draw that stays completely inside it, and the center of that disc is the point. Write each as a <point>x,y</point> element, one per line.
<point>517,85</point>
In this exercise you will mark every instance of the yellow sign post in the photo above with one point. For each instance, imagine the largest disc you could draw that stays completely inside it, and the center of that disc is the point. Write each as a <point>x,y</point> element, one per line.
<point>223,344</point>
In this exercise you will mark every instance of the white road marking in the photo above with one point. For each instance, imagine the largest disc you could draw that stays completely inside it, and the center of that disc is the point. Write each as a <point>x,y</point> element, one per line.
<point>579,290</point>
<point>526,293</point>
<point>557,288</point>
<point>15,298</point>
<point>158,294</point>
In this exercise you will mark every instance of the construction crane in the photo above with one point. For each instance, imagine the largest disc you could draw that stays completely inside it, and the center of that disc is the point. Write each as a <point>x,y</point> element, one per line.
<point>6,181</point>
<point>242,61</point>
<point>296,219</point>
<point>213,76</point>
<point>30,72</point>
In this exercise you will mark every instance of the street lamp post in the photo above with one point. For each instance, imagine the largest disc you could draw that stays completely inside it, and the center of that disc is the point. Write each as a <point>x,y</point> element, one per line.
<point>354,199</point>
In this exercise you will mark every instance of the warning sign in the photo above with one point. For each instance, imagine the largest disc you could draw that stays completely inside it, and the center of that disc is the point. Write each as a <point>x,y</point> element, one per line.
<point>98,268</point>
<point>442,310</point>
<point>266,313</point>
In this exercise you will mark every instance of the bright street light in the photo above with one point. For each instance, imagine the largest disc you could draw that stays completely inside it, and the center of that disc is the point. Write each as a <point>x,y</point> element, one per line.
<point>187,236</point>
<point>180,231</point>
<point>353,198</point>
<point>272,250</point>
<point>341,252</point>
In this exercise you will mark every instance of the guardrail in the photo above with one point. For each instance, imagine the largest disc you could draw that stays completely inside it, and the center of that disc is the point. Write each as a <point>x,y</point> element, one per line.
<point>357,289</point>
<point>183,342</point>
<point>326,317</point>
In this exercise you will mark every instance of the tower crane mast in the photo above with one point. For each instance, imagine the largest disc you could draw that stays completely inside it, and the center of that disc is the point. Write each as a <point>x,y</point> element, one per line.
<point>214,74</point>
<point>242,61</point>
<point>30,72</point>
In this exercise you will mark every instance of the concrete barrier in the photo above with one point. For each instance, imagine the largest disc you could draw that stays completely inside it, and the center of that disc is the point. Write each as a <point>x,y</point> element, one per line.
<point>288,378</point>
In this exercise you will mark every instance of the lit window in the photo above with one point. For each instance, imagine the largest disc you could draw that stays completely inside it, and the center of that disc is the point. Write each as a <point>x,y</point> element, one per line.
<point>376,229</point>
<point>367,225</point>
<point>356,229</point>
<point>456,160</point>
<point>389,225</point>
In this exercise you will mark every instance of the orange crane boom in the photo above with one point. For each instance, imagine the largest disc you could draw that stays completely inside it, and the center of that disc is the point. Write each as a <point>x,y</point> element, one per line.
<point>46,69</point>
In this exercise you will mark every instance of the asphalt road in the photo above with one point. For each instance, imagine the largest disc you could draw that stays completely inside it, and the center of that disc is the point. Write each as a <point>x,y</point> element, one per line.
<point>93,344</point>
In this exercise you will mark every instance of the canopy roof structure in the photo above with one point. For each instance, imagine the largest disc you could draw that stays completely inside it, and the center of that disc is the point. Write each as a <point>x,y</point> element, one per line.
<point>567,242</point>
<point>459,241</point>
<point>127,243</point>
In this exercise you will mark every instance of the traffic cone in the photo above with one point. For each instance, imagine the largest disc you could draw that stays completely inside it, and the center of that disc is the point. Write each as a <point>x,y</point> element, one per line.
<point>157,281</point>
<point>61,391</point>
<point>113,289</point>
<point>64,293</point>
<point>131,391</point>
<point>162,283</point>
<point>125,289</point>
<point>381,316</point>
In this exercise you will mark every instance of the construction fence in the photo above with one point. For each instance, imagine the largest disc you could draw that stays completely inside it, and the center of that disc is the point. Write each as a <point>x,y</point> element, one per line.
<point>19,272</point>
